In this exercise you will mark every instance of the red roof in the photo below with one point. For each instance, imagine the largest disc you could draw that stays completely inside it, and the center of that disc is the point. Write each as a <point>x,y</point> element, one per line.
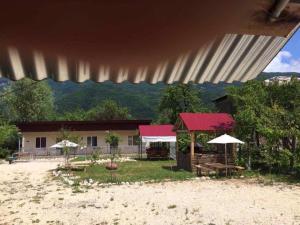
<point>157,130</point>
<point>207,121</point>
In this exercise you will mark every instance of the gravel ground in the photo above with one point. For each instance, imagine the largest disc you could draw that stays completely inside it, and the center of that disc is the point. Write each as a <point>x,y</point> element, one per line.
<point>29,194</point>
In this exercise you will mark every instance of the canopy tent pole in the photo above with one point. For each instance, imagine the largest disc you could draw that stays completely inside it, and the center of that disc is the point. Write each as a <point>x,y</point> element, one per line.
<point>226,157</point>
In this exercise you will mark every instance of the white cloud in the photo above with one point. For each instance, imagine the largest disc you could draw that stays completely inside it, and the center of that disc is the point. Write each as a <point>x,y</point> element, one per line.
<point>284,62</point>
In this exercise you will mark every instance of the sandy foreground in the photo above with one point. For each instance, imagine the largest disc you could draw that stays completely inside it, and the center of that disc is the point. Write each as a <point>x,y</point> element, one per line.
<point>28,194</point>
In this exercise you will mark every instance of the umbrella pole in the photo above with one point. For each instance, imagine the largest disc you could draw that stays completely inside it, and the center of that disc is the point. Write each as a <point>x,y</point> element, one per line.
<point>226,157</point>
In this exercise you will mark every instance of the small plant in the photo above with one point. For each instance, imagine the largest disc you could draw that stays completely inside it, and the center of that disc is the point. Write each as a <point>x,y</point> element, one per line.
<point>77,190</point>
<point>66,151</point>
<point>95,155</point>
<point>113,140</point>
<point>36,199</point>
<point>36,221</point>
<point>172,206</point>
<point>186,214</point>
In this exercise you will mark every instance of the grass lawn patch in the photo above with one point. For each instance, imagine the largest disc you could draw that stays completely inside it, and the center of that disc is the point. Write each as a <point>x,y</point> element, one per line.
<point>270,178</point>
<point>80,158</point>
<point>141,170</point>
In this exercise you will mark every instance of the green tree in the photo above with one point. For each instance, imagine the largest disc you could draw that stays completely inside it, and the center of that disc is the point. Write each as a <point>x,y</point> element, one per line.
<point>113,140</point>
<point>26,100</point>
<point>250,101</point>
<point>284,99</point>
<point>267,119</point>
<point>179,98</point>
<point>108,110</point>
<point>8,138</point>
<point>75,115</point>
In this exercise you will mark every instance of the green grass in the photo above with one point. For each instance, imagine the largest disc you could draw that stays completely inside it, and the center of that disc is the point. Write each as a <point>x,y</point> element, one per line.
<point>270,178</point>
<point>141,170</point>
<point>80,158</point>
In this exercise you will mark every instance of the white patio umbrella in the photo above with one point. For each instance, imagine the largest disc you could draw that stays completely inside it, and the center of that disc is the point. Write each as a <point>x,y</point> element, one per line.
<point>64,143</point>
<point>225,139</point>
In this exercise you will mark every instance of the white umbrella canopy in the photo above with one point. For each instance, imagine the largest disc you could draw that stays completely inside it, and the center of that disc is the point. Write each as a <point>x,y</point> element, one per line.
<point>225,139</point>
<point>64,143</point>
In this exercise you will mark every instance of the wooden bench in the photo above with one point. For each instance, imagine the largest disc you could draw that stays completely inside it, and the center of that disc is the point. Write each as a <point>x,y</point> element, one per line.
<point>153,153</point>
<point>217,167</point>
<point>239,169</point>
<point>202,168</point>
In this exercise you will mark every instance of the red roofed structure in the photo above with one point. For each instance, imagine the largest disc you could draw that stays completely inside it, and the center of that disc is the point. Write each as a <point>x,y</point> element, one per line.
<point>157,130</point>
<point>207,122</point>
<point>193,123</point>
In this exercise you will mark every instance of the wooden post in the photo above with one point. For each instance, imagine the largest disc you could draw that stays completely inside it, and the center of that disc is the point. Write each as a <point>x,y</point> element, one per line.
<point>177,142</point>
<point>140,148</point>
<point>192,148</point>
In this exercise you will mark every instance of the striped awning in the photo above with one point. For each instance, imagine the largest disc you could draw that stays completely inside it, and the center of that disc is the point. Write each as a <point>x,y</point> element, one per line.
<point>231,58</point>
<point>142,41</point>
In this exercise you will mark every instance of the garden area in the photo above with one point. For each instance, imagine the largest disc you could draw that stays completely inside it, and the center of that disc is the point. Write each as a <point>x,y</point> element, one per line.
<point>165,170</point>
<point>133,171</point>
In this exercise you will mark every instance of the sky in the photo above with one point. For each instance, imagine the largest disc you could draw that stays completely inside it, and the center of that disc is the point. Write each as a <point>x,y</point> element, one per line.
<point>288,59</point>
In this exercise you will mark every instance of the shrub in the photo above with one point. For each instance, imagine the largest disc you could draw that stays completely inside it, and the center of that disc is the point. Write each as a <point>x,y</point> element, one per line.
<point>183,142</point>
<point>95,155</point>
<point>4,153</point>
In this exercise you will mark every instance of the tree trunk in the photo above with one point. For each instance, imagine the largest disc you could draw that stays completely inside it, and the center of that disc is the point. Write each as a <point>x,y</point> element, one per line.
<point>293,150</point>
<point>249,157</point>
<point>257,139</point>
<point>254,137</point>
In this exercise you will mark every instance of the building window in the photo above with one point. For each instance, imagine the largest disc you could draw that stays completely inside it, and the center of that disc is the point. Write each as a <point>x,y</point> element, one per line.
<point>40,142</point>
<point>92,141</point>
<point>133,140</point>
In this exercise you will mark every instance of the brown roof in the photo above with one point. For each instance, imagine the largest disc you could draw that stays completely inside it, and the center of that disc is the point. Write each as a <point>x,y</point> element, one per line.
<point>43,126</point>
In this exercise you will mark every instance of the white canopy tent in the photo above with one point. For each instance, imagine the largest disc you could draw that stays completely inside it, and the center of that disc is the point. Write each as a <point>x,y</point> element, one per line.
<point>225,139</point>
<point>64,143</point>
<point>159,133</point>
<point>169,139</point>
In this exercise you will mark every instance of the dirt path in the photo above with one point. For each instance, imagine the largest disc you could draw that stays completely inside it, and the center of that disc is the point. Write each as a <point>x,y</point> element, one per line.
<point>29,195</point>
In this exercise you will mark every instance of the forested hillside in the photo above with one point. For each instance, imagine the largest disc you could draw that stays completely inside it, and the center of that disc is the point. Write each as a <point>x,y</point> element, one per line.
<point>141,99</point>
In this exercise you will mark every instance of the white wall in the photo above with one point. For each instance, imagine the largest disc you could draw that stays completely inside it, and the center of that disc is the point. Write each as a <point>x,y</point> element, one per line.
<point>29,139</point>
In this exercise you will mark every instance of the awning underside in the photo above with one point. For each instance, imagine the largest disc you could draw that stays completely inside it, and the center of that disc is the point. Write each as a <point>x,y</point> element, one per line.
<point>151,139</point>
<point>231,58</point>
